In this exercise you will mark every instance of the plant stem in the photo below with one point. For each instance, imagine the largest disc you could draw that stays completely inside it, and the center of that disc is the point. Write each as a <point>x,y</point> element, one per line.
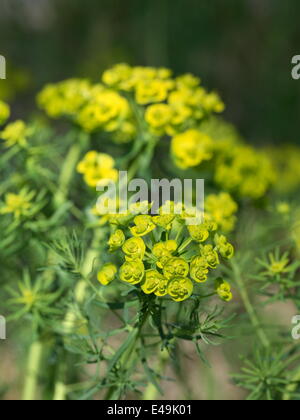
<point>65,178</point>
<point>66,174</point>
<point>60,389</point>
<point>127,359</point>
<point>151,391</point>
<point>32,371</point>
<point>249,307</point>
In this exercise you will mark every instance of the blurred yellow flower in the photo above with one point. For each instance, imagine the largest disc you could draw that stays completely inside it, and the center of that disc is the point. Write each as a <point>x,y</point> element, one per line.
<point>107,274</point>
<point>15,133</point>
<point>191,148</point>
<point>98,169</point>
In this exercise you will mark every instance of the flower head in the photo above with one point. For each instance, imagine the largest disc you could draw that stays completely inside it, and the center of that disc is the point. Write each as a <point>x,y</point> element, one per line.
<point>20,205</point>
<point>180,288</point>
<point>98,169</point>
<point>223,289</point>
<point>134,249</point>
<point>107,274</point>
<point>116,240</point>
<point>191,148</point>
<point>132,272</point>
<point>15,133</point>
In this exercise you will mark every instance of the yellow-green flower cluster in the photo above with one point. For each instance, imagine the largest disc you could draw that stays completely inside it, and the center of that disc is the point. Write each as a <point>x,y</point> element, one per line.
<point>98,169</point>
<point>244,171</point>
<point>92,106</point>
<point>221,209</point>
<point>107,274</point>
<point>167,260</point>
<point>19,205</point>
<point>15,133</point>
<point>169,105</point>
<point>173,105</point>
<point>4,112</point>
<point>191,148</point>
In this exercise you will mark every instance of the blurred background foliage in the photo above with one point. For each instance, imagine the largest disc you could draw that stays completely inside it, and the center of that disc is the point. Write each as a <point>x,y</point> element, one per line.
<point>243,48</point>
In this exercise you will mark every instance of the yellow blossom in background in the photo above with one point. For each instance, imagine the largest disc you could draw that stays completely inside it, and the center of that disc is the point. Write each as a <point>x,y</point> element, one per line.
<point>191,148</point>
<point>105,110</point>
<point>98,169</point>
<point>19,205</point>
<point>15,133</point>
<point>64,98</point>
<point>107,274</point>
<point>4,112</point>
<point>159,117</point>
<point>221,209</point>
<point>245,171</point>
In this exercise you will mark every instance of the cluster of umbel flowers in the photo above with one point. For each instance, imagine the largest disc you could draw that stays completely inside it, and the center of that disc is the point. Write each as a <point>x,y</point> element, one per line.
<point>165,256</point>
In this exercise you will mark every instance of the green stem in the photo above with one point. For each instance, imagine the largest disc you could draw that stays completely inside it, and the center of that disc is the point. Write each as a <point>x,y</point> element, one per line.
<point>69,324</point>
<point>32,371</point>
<point>66,174</point>
<point>127,359</point>
<point>249,307</point>
<point>151,391</point>
<point>60,387</point>
<point>65,178</point>
<point>185,245</point>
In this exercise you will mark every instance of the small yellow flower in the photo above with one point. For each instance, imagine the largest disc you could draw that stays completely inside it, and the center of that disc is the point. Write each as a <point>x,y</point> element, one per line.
<point>221,209</point>
<point>163,252</point>
<point>180,289</point>
<point>210,255</point>
<point>176,267</point>
<point>152,281</point>
<point>198,233</point>
<point>98,169</point>
<point>144,225</point>
<point>152,91</point>
<point>223,289</point>
<point>116,240</point>
<point>199,269</point>
<point>116,76</point>
<point>278,266</point>
<point>15,133</point>
<point>224,247</point>
<point>19,205</point>
<point>107,274</point>
<point>134,249</point>
<point>191,148</point>
<point>132,272</point>
<point>4,112</point>
<point>158,117</point>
